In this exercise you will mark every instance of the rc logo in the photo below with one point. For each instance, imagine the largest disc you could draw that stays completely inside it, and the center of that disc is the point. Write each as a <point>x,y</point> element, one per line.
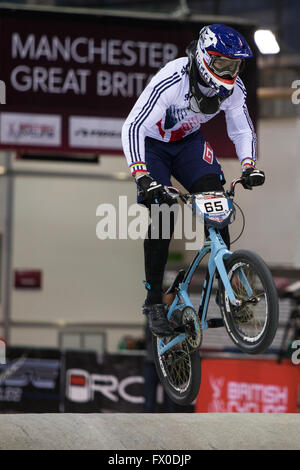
<point>81,387</point>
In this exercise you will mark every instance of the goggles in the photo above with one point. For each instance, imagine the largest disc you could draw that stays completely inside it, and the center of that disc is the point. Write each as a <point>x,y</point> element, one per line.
<point>225,67</point>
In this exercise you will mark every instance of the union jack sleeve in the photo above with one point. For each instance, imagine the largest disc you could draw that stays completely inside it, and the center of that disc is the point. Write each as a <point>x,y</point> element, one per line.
<point>147,111</point>
<point>240,127</point>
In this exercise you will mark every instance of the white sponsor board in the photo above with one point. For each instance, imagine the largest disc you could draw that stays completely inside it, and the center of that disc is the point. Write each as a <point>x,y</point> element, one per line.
<point>30,129</point>
<point>93,132</point>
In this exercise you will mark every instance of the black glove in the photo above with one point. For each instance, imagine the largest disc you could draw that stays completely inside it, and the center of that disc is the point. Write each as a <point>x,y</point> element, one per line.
<point>252,177</point>
<point>153,192</point>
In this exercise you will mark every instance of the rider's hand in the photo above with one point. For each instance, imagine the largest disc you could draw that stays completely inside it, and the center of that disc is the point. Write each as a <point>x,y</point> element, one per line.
<point>153,192</point>
<point>252,177</point>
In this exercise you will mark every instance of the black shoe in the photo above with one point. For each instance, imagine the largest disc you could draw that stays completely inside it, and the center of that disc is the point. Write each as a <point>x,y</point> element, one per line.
<point>157,318</point>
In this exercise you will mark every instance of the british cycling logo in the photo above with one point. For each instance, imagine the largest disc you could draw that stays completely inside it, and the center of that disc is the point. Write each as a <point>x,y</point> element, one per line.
<point>2,92</point>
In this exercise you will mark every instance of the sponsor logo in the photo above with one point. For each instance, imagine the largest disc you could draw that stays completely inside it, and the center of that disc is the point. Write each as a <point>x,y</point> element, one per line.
<point>17,131</point>
<point>90,132</point>
<point>209,38</point>
<point>245,397</point>
<point>84,132</point>
<point>81,387</point>
<point>42,374</point>
<point>208,154</point>
<point>30,129</point>
<point>216,219</point>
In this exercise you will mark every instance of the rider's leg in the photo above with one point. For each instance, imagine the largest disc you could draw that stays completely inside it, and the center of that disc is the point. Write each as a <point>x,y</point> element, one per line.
<point>156,244</point>
<point>156,255</point>
<point>156,248</point>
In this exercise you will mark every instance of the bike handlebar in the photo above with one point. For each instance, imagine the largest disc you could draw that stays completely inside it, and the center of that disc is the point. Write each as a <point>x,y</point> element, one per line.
<point>175,193</point>
<point>230,193</point>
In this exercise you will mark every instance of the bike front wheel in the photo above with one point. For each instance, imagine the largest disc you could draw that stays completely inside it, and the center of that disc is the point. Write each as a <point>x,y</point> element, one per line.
<point>252,325</point>
<point>179,371</point>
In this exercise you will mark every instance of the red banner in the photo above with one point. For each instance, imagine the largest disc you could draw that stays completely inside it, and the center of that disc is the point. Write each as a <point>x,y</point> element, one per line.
<point>72,80</point>
<point>248,386</point>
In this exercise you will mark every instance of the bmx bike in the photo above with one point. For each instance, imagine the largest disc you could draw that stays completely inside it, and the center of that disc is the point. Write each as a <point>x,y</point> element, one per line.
<point>246,295</point>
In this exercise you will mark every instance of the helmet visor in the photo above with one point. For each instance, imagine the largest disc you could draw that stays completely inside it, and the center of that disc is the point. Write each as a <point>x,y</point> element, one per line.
<point>225,67</point>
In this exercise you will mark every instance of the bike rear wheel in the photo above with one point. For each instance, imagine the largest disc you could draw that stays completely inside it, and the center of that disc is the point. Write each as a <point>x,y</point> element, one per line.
<point>179,371</point>
<point>253,325</point>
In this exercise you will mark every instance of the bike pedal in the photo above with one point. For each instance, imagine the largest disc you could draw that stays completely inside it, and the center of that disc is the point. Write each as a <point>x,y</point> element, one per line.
<point>215,323</point>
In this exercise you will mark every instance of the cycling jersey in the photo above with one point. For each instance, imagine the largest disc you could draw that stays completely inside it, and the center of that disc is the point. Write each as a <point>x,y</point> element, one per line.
<point>162,112</point>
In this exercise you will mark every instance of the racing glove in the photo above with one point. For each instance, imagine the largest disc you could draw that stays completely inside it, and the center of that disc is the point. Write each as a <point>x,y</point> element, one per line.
<point>252,177</point>
<point>153,192</point>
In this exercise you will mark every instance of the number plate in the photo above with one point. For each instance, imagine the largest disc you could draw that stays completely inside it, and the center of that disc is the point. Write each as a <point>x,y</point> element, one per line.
<point>212,207</point>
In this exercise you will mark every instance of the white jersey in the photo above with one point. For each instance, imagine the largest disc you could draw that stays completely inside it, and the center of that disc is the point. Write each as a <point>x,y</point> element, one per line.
<point>162,112</point>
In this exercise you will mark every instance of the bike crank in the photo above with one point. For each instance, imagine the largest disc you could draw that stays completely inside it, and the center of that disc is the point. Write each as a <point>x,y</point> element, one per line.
<point>192,327</point>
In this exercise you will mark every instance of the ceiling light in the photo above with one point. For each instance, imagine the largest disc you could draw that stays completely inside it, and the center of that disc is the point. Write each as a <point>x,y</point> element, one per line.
<point>266,41</point>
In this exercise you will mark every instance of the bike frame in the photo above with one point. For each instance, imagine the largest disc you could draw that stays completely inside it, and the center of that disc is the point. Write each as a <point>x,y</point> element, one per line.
<point>218,254</point>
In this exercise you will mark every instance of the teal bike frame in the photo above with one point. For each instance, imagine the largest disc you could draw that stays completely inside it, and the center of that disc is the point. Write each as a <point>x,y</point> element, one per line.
<point>218,254</point>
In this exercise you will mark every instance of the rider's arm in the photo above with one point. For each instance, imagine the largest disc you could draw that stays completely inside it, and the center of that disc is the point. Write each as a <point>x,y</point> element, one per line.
<point>240,127</point>
<point>146,113</point>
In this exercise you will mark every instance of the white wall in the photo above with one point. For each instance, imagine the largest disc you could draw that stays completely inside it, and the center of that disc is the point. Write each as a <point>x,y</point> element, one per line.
<point>88,280</point>
<point>85,279</point>
<point>272,211</point>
